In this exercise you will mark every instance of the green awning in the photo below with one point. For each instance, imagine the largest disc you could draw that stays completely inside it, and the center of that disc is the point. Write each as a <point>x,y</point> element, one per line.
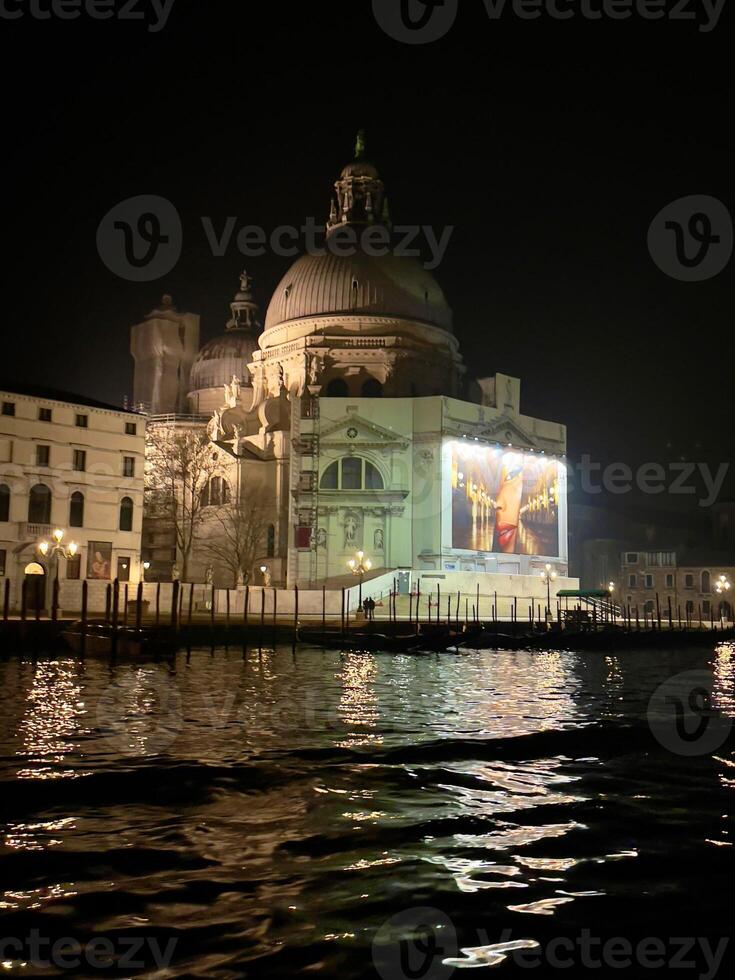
<point>583,594</point>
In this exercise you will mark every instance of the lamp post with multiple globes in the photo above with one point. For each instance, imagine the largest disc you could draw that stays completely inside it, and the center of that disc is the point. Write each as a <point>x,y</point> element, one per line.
<point>722,587</point>
<point>358,566</point>
<point>51,552</point>
<point>548,575</point>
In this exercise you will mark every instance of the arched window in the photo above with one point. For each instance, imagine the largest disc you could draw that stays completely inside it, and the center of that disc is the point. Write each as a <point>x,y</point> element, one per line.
<point>351,473</point>
<point>76,510</point>
<point>337,388</point>
<point>216,493</point>
<point>126,514</point>
<point>271,541</point>
<point>39,505</point>
<point>706,582</point>
<point>372,388</point>
<point>4,503</point>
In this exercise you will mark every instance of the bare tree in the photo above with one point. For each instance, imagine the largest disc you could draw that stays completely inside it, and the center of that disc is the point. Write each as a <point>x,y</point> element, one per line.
<point>180,465</point>
<point>234,536</point>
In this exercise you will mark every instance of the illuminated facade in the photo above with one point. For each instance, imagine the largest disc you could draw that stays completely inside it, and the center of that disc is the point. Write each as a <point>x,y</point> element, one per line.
<point>77,465</point>
<point>351,416</point>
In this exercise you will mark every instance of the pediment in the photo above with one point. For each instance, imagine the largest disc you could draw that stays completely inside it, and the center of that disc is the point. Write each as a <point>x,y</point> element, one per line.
<point>507,429</point>
<point>353,429</point>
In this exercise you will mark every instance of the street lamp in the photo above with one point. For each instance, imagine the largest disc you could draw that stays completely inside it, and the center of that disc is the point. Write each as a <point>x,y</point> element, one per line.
<point>358,566</point>
<point>51,552</point>
<point>548,575</point>
<point>145,567</point>
<point>722,586</point>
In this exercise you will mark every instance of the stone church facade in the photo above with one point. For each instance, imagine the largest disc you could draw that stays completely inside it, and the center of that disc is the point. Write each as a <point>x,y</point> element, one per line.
<point>345,415</point>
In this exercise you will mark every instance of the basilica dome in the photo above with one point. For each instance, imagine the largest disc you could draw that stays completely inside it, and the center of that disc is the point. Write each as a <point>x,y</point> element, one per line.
<point>388,285</point>
<point>374,282</point>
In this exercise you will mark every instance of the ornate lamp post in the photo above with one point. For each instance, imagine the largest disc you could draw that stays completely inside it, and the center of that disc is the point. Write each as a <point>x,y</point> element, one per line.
<point>51,552</point>
<point>548,575</point>
<point>722,587</point>
<point>358,566</point>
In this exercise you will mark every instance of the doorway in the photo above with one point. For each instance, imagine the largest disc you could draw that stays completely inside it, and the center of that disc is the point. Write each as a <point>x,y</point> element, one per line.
<point>34,584</point>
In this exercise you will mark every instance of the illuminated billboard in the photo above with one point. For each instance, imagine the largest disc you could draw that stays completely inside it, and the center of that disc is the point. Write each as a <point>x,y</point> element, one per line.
<point>504,500</point>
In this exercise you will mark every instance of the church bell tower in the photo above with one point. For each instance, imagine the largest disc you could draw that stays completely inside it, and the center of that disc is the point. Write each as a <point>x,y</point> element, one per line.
<point>164,347</point>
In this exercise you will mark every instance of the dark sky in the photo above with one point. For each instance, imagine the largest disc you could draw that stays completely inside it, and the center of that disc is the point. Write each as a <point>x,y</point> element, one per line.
<point>548,145</point>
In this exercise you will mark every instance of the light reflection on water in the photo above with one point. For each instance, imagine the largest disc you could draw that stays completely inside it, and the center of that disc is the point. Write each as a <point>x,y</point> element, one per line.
<point>275,801</point>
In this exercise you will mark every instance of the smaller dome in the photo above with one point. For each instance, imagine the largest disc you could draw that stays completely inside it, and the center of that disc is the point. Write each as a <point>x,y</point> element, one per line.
<point>222,359</point>
<point>359,168</point>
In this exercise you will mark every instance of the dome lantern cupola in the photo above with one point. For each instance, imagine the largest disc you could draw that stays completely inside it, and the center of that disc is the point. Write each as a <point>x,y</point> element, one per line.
<point>360,197</point>
<point>244,308</point>
<point>228,355</point>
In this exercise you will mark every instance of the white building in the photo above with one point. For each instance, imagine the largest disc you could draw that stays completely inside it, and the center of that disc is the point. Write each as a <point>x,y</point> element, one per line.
<point>352,419</point>
<point>77,465</point>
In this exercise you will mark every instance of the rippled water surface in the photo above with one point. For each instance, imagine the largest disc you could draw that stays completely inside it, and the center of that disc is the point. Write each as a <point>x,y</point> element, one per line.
<point>281,814</point>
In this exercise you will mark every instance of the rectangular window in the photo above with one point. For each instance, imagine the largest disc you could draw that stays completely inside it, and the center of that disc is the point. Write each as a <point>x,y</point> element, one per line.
<point>669,581</point>
<point>632,581</point>
<point>3,559</point>
<point>43,455</point>
<point>706,607</point>
<point>649,581</point>
<point>689,581</point>
<point>131,429</point>
<point>82,421</point>
<point>44,415</point>
<point>74,568</point>
<point>8,408</point>
<point>128,466</point>
<point>80,460</point>
<point>631,558</point>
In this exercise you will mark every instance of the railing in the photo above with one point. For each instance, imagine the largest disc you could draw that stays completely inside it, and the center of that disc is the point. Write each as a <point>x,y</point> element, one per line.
<point>27,531</point>
<point>178,418</point>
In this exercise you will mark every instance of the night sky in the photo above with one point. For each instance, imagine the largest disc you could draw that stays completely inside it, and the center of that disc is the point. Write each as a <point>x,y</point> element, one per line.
<point>548,145</point>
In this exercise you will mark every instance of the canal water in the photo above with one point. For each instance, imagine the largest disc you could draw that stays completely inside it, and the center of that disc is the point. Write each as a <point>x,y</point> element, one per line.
<point>362,815</point>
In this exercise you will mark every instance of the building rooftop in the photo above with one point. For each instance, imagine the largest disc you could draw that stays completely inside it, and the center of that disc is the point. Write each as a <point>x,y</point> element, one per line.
<point>56,395</point>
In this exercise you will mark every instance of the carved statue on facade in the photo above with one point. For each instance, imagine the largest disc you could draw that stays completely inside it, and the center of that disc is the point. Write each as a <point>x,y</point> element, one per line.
<point>232,392</point>
<point>379,539</point>
<point>209,575</point>
<point>321,537</point>
<point>350,526</point>
<point>240,579</point>
<point>236,439</point>
<point>314,366</point>
<point>214,428</point>
<point>259,385</point>
<point>175,572</point>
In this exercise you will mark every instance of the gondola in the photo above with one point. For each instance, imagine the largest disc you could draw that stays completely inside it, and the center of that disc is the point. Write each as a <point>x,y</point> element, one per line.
<point>137,644</point>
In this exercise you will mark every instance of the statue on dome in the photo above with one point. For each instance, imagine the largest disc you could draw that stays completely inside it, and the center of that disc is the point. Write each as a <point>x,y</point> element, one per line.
<point>246,282</point>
